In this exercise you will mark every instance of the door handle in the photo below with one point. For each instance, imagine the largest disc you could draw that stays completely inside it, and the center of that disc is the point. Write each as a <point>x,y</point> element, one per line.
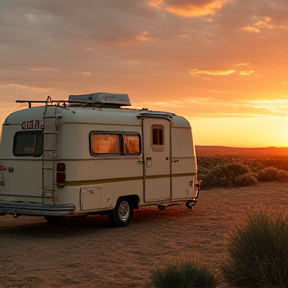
<point>148,161</point>
<point>175,160</point>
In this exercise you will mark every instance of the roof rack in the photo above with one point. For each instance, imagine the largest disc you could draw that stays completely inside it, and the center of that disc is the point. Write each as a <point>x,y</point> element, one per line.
<point>47,101</point>
<point>100,99</point>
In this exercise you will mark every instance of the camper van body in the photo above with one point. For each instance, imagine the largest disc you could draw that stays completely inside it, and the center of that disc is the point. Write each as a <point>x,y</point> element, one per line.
<point>84,157</point>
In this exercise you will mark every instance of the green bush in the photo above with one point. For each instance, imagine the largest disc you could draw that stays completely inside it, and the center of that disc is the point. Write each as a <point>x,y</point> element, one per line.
<point>270,174</point>
<point>182,273</point>
<point>228,171</point>
<point>282,175</point>
<point>258,251</point>
<point>224,175</point>
<point>244,180</point>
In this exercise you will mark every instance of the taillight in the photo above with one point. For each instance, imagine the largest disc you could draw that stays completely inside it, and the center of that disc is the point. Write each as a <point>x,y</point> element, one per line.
<point>61,176</point>
<point>2,168</point>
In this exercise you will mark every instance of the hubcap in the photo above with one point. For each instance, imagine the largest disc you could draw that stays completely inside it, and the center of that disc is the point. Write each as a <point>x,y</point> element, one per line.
<point>124,211</point>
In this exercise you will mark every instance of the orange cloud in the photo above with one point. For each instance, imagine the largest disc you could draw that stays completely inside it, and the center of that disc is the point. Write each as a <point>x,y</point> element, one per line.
<point>156,3</point>
<point>216,107</point>
<point>275,106</point>
<point>44,69</point>
<point>258,26</point>
<point>28,87</point>
<point>250,29</point>
<point>196,72</point>
<point>237,71</point>
<point>246,73</point>
<point>143,37</point>
<point>186,9</point>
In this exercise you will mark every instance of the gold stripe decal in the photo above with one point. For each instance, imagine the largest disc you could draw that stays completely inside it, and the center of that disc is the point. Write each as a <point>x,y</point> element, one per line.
<point>123,179</point>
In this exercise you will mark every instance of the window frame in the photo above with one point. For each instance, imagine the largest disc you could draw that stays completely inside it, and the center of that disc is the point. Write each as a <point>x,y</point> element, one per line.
<point>37,152</point>
<point>120,134</point>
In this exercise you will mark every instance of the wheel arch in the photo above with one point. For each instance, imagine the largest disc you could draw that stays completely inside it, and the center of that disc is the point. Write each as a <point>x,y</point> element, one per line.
<point>134,200</point>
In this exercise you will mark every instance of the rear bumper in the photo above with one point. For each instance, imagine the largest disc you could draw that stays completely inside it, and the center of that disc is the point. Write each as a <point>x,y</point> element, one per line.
<point>35,209</point>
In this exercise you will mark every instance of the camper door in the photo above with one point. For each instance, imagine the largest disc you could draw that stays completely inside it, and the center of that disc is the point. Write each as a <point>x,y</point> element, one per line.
<point>157,170</point>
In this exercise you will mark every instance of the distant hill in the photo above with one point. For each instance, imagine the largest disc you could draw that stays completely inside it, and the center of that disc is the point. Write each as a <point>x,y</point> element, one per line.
<point>249,152</point>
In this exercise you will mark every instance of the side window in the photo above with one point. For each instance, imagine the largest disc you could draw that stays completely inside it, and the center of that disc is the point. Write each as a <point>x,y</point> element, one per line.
<point>157,137</point>
<point>131,144</point>
<point>28,143</point>
<point>105,143</point>
<point>114,143</point>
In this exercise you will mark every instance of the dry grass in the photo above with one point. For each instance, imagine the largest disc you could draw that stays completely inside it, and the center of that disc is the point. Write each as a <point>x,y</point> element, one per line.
<point>89,253</point>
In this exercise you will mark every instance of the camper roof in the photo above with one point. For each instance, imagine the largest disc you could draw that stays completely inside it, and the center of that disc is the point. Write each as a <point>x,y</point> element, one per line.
<point>101,98</point>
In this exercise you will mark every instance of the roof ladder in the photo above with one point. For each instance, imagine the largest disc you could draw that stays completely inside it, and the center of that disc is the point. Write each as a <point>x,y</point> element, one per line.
<point>50,129</point>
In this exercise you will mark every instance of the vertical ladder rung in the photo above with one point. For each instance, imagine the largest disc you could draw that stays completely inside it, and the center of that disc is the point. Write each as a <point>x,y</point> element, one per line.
<point>49,152</point>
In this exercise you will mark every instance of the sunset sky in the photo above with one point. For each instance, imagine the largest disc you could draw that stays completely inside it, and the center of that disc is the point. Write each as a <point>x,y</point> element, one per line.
<point>222,64</point>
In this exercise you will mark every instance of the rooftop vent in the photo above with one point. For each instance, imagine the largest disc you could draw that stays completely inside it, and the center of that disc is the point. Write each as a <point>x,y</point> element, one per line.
<point>100,99</point>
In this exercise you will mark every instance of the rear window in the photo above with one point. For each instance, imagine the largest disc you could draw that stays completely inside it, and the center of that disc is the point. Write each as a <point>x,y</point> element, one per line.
<point>28,143</point>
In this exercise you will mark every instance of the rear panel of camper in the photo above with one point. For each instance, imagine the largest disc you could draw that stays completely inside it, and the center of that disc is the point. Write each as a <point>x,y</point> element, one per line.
<point>22,178</point>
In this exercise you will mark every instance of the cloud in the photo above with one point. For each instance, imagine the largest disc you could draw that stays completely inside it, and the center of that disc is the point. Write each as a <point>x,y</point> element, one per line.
<point>276,106</point>
<point>246,73</point>
<point>86,73</point>
<point>209,107</point>
<point>188,8</point>
<point>24,87</point>
<point>196,72</point>
<point>143,37</point>
<point>238,70</point>
<point>43,69</point>
<point>259,26</point>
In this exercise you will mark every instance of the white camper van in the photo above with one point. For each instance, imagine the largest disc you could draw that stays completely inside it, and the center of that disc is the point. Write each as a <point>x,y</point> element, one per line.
<point>88,155</point>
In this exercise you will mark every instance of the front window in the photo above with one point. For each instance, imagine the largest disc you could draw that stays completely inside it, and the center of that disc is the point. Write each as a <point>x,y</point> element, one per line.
<point>28,143</point>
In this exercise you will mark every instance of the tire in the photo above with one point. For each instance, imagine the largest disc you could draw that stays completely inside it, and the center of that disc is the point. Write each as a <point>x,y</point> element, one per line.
<point>122,214</point>
<point>53,219</point>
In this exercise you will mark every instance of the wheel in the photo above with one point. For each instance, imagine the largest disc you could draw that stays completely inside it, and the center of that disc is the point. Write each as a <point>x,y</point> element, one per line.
<point>53,219</point>
<point>122,214</point>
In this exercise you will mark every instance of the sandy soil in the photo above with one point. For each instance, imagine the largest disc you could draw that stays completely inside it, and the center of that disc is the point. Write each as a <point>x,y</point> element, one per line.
<point>89,253</point>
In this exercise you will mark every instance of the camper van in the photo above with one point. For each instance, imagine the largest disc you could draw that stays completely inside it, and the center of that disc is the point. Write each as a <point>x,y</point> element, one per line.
<point>91,154</point>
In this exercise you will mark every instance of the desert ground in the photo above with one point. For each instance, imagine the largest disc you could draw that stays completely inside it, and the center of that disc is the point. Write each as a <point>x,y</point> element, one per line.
<point>90,253</point>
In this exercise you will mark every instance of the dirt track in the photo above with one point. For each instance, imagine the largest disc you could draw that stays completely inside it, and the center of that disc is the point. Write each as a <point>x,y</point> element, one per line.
<point>89,253</point>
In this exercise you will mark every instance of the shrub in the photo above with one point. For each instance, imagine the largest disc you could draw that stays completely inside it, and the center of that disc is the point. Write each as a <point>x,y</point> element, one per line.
<point>258,251</point>
<point>282,175</point>
<point>272,174</point>
<point>244,180</point>
<point>182,273</point>
<point>224,175</point>
<point>267,174</point>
